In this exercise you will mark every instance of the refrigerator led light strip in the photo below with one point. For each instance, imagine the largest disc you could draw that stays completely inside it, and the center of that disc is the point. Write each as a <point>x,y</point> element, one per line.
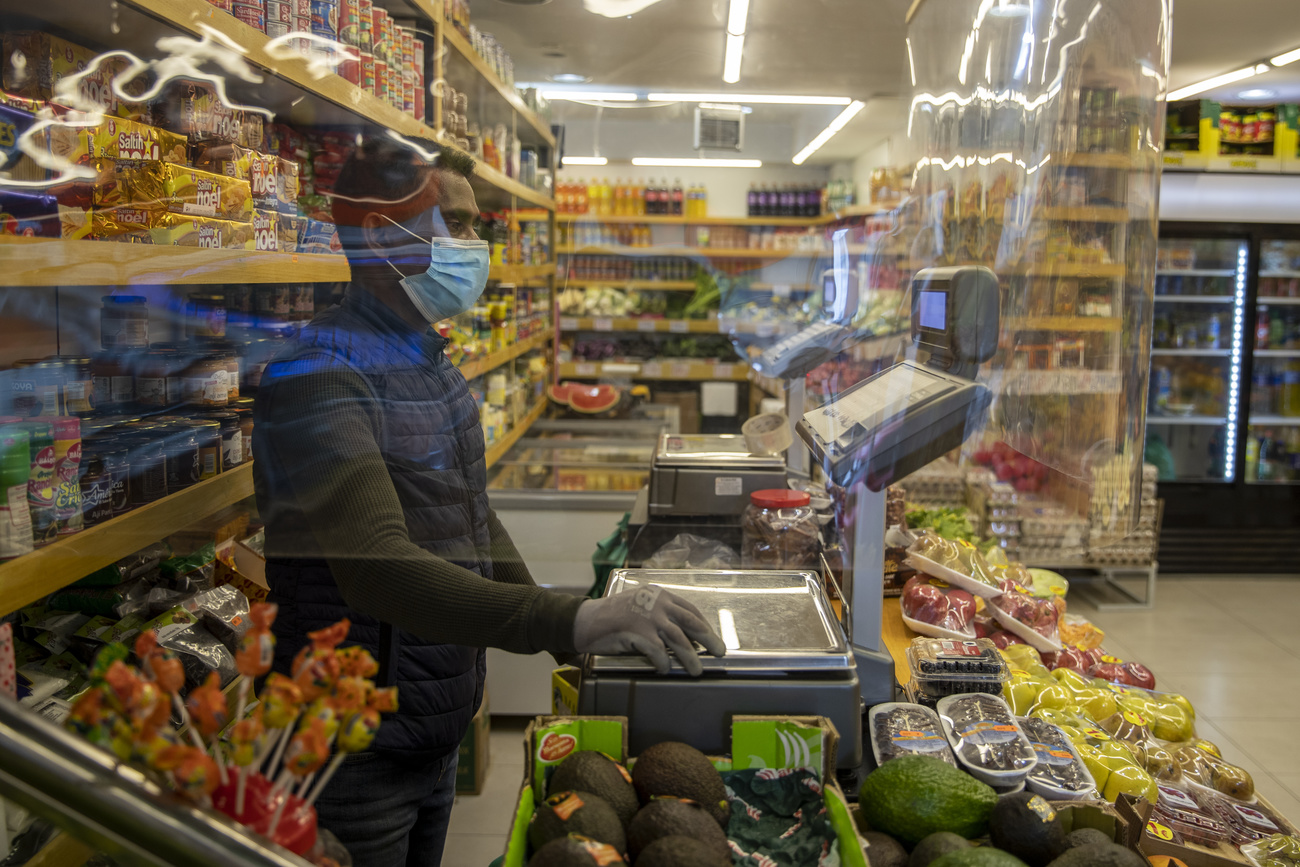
<point>1234,380</point>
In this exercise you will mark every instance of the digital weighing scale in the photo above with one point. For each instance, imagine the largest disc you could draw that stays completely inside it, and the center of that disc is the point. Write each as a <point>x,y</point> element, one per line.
<point>708,474</point>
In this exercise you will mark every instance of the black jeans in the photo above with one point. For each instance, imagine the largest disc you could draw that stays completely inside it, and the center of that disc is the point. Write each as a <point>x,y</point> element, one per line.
<point>389,810</point>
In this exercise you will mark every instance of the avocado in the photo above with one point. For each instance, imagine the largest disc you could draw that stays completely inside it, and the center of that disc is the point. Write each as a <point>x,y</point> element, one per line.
<point>574,851</point>
<point>579,813</point>
<point>1100,855</point>
<point>936,846</point>
<point>974,856</point>
<point>1086,837</point>
<point>680,771</point>
<point>884,851</point>
<point>680,851</point>
<point>1025,825</point>
<point>670,817</point>
<point>590,771</point>
<point>911,797</point>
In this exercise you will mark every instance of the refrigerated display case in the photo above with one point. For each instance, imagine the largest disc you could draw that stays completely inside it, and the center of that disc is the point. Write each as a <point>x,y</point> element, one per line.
<point>1196,357</point>
<point>1272,438</point>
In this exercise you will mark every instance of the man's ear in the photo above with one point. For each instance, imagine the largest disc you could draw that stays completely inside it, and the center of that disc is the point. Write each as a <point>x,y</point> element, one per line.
<point>372,226</point>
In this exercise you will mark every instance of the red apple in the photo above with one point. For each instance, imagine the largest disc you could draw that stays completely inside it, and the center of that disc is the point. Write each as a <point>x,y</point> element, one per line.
<point>962,604</point>
<point>920,596</point>
<point>1112,671</point>
<point>1140,675</point>
<point>932,611</point>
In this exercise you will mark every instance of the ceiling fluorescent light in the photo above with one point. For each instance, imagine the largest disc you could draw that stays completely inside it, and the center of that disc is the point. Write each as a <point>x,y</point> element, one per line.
<point>588,96</point>
<point>717,164</point>
<point>825,135</point>
<point>736,16</point>
<point>731,63</point>
<point>583,161</point>
<point>1284,59</point>
<point>1211,83</point>
<point>756,98</point>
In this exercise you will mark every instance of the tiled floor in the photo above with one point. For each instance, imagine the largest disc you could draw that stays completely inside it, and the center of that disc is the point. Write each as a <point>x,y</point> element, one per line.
<point>1232,646</point>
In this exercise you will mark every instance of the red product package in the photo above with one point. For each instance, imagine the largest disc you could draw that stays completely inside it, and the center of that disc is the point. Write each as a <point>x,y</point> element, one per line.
<point>930,602</point>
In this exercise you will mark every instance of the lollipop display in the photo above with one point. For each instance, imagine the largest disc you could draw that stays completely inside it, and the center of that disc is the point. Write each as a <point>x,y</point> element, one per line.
<point>284,751</point>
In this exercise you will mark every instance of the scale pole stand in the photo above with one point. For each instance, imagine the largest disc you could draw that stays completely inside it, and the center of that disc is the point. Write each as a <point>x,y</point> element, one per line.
<point>864,596</point>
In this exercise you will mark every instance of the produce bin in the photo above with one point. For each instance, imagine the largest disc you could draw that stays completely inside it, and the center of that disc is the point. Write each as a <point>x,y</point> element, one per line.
<point>776,742</point>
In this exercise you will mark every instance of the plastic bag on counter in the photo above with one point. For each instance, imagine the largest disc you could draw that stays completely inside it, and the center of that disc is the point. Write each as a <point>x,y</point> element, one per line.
<point>200,653</point>
<point>688,551</point>
<point>934,608</point>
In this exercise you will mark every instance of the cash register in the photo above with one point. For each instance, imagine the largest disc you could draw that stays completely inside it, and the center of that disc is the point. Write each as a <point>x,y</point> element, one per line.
<point>786,652</point>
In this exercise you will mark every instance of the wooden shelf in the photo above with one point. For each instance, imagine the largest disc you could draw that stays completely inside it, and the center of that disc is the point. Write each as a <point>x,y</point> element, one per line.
<point>680,370</point>
<point>673,326</point>
<point>1277,353</point>
<point>51,262</point>
<point>654,285</point>
<point>32,576</point>
<point>1185,420</point>
<point>1194,299</point>
<point>476,368</point>
<point>675,220</point>
<point>1070,269</point>
<point>1036,382</point>
<point>709,252</point>
<point>506,92</point>
<point>497,450</point>
<point>1066,323</point>
<point>1086,215</point>
<point>520,273</point>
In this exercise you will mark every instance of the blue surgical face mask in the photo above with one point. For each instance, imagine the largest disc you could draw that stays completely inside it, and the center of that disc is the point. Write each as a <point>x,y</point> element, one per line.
<point>455,278</point>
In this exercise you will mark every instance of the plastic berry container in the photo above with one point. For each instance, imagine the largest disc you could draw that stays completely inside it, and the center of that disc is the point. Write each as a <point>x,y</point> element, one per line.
<point>944,666</point>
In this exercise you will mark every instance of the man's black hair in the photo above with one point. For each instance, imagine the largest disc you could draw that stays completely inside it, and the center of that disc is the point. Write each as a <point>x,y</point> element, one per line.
<point>385,169</point>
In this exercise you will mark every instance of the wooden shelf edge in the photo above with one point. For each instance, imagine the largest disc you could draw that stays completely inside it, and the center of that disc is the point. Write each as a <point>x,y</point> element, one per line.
<point>55,262</point>
<point>507,92</point>
<point>520,273</point>
<point>706,252</point>
<point>650,285</point>
<point>639,324</point>
<point>675,220</point>
<point>700,371</point>
<point>32,576</point>
<point>476,368</point>
<point>497,450</point>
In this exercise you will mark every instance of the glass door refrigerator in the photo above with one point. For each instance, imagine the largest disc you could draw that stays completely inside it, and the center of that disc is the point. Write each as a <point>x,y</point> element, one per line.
<point>1196,358</point>
<point>1272,436</point>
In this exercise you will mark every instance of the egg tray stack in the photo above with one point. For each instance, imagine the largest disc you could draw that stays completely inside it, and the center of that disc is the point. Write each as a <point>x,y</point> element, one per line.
<point>940,484</point>
<point>1050,535</point>
<point>993,509</point>
<point>1112,547</point>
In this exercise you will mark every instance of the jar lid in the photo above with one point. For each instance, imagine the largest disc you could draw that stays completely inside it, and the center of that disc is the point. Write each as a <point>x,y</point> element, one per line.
<point>221,415</point>
<point>74,359</point>
<point>26,362</point>
<point>779,498</point>
<point>124,299</point>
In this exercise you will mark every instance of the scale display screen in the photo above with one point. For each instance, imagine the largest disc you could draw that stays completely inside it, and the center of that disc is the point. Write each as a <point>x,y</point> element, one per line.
<point>933,311</point>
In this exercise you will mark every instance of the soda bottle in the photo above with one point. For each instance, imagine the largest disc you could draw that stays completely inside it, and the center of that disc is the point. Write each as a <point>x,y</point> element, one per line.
<point>639,203</point>
<point>582,197</point>
<point>677,197</point>
<point>620,198</point>
<point>665,197</point>
<point>1289,399</point>
<point>1252,458</point>
<point>1261,329</point>
<point>752,201</point>
<point>704,200</point>
<point>1261,394</point>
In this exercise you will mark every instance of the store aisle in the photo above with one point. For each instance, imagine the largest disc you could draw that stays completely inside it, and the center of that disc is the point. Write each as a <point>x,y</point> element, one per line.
<point>1230,645</point>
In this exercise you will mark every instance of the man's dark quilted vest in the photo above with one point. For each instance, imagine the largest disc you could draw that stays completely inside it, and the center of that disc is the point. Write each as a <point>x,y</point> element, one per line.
<point>433,446</point>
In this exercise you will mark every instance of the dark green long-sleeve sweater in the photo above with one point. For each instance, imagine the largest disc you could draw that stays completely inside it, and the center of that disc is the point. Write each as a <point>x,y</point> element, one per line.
<point>323,427</point>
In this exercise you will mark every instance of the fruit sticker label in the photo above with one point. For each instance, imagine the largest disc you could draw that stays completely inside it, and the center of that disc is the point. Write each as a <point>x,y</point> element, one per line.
<point>601,854</point>
<point>1163,832</point>
<point>949,648</point>
<point>989,732</point>
<point>555,746</point>
<point>1135,718</point>
<point>1051,755</point>
<point>920,741</point>
<point>1042,808</point>
<point>1113,660</point>
<point>564,804</point>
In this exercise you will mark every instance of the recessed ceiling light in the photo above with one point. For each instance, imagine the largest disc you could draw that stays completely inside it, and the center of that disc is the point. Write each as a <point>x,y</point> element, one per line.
<point>1257,93</point>
<point>569,78</point>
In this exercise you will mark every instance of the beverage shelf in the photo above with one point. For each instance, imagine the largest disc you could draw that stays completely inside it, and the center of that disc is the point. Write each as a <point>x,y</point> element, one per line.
<point>1284,274</point>
<point>478,367</point>
<point>497,450</point>
<point>682,370</point>
<point>1185,420</point>
<point>31,576</point>
<point>1197,272</point>
<point>51,262</point>
<point>1268,301</point>
<point>1280,420</point>
<point>520,273</point>
<point>1194,299</point>
<point>1193,353</point>
<point>709,252</point>
<point>1277,353</point>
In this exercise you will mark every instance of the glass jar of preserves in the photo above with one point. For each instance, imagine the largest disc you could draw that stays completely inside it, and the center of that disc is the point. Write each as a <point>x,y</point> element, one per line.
<point>114,381</point>
<point>78,385</point>
<point>96,487</point>
<point>117,460</point>
<point>181,450</point>
<point>207,382</point>
<point>208,434</point>
<point>48,377</point>
<point>245,414</point>
<point>158,381</point>
<point>124,322</point>
<point>273,300</point>
<point>780,531</point>
<point>148,463</point>
<point>232,438</point>
<point>206,316</point>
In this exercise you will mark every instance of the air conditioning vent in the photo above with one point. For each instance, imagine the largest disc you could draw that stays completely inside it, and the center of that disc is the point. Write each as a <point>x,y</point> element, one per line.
<point>719,128</point>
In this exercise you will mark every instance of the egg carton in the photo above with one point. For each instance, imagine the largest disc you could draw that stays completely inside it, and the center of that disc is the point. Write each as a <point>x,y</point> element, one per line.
<point>1122,555</point>
<point>1051,556</point>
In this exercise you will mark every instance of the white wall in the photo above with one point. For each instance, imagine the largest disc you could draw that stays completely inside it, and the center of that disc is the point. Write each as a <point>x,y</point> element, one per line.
<point>1224,198</point>
<point>728,188</point>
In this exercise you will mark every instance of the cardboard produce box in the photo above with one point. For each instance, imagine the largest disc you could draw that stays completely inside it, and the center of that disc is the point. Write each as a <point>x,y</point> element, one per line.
<point>777,742</point>
<point>472,764</point>
<point>1156,841</point>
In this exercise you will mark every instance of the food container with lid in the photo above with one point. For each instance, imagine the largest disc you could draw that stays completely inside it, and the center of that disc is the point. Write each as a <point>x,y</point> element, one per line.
<point>945,666</point>
<point>901,728</point>
<point>986,740</point>
<point>1060,774</point>
<point>124,322</point>
<point>232,436</point>
<point>779,531</point>
<point>78,386</point>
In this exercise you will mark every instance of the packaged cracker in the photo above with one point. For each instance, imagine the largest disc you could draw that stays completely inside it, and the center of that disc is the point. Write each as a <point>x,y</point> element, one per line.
<point>266,230</point>
<point>123,223</point>
<point>288,186</point>
<point>116,139</point>
<point>289,228</point>
<point>196,110</point>
<point>36,64</point>
<point>182,230</point>
<point>181,190</point>
<point>29,215</point>
<point>318,237</point>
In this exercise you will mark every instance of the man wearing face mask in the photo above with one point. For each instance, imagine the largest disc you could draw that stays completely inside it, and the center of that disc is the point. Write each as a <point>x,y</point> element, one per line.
<point>371,480</point>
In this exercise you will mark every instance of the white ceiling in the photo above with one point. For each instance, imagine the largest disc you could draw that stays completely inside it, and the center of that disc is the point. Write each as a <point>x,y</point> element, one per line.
<point>852,48</point>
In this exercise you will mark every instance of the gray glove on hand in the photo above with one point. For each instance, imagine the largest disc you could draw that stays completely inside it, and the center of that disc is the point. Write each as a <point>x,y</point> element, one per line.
<point>644,621</point>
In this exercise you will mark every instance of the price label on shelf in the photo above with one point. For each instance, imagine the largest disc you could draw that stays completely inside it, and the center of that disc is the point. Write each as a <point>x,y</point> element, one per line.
<point>568,323</point>
<point>1245,163</point>
<point>679,370</point>
<point>646,325</point>
<point>679,326</point>
<point>586,370</point>
<point>652,370</point>
<point>724,371</point>
<point>1175,160</point>
<point>603,324</point>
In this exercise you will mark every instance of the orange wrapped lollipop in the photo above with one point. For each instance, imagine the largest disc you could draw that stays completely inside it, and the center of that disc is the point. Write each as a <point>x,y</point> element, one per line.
<point>307,752</point>
<point>194,771</point>
<point>209,715</point>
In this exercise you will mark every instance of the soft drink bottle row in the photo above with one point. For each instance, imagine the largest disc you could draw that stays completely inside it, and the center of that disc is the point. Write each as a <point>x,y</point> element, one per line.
<point>785,200</point>
<point>632,199</point>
